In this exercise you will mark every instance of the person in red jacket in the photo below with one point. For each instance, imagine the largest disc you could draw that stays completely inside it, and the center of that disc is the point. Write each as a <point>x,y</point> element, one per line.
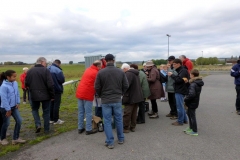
<point>25,90</point>
<point>85,94</point>
<point>187,63</point>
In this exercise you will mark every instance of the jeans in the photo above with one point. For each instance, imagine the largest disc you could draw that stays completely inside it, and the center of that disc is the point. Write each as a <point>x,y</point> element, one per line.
<point>6,122</point>
<point>238,98</point>
<point>46,114</point>
<point>108,110</point>
<point>25,95</point>
<point>154,105</point>
<point>141,112</point>
<point>54,109</point>
<point>85,107</point>
<point>1,122</point>
<point>182,117</point>
<point>172,103</point>
<point>192,119</point>
<point>130,116</point>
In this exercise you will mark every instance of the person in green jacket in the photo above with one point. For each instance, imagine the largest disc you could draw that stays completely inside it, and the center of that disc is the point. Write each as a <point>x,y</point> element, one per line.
<point>170,90</point>
<point>146,93</point>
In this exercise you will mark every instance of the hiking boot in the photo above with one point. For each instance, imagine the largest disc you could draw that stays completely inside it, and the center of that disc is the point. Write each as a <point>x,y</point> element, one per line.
<point>125,131</point>
<point>187,129</point>
<point>132,129</point>
<point>192,133</point>
<point>174,117</point>
<point>185,122</point>
<point>93,131</point>
<point>4,142</point>
<point>176,124</point>
<point>169,115</point>
<point>81,130</point>
<point>59,122</point>
<point>38,129</point>
<point>19,140</point>
<point>155,115</point>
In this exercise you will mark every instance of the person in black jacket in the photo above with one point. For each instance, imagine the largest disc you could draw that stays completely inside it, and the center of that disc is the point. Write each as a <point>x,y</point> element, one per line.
<point>192,101</point>
<point>40,84</point>
<point>131,98</point>
<point>181,89</point>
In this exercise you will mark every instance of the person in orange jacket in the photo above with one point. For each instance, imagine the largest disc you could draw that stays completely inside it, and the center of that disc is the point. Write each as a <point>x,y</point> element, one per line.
<point>25,90</point>
<point>85,94</point>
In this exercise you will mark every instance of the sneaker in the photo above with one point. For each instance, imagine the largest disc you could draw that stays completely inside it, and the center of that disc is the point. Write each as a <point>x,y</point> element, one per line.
<point>4,142</point>
<point>51,122</point>
<point>19,140</point>
<point>155,115</point>
<point>192,133</point>
<point>174,117</point>
<point>125,131</point>
<point>120,142</point>
<point>109,146</point>
<point>169,115</point>
<point>187,129</point>
<point>81,130</point>
<point>176,124</point>
<point>24,103</point>
<point>150,113</point>
<point>93,131</point>
<point>59,122</point>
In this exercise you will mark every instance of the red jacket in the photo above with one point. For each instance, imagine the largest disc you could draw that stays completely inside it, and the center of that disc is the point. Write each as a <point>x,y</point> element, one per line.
<point>85,89</point>
<point>22,79</point>
<point>187,62</point>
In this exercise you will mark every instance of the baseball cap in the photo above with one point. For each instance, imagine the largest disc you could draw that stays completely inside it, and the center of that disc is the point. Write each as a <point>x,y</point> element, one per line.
<point>170,58</point>
<point>109,57</point>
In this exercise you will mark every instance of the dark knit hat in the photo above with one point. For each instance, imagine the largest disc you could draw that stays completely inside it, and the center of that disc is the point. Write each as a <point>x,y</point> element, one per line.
<point>170,58</point>
<point>109,57</point>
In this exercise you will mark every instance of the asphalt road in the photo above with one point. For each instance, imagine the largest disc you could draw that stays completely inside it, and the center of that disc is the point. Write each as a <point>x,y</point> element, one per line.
<point>157,139</point>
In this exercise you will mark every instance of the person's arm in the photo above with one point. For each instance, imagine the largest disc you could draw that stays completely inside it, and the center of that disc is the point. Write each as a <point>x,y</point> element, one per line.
<point>98,86</point>
<point>22,78</point>
<point>4,98</point>
<point>235,72</point>
<point>179,78</point>
<point>152,77</point>
<point>18,95</point>
<point>191,92</point>
<point>50,84</point>
<point>60,77</point>
<point>125,83</point>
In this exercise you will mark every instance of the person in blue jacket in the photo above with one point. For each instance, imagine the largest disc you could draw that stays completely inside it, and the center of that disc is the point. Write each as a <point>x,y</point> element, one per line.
<point>58,80</point>
<point>10,100</point>
<point>235,72</point>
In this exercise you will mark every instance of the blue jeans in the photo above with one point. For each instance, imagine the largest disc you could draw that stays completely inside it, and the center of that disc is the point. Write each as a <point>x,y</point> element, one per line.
<point>6,122</point>
<point>85,107</point>
<point>108,110</point>
<point>182,116</point>
<point>46,114</point>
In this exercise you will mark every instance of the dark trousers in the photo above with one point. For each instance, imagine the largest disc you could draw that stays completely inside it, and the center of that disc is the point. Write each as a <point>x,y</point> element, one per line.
<point>46,114</point>
<point>25,95</point>
<point>98,112</point>
<point>154,105</point>
<point>238,98</point>
<point>192,119</point>
<point>141,112</point>
<point>172,103</point>
<point>54,108</point>
<point>130,116</point>
<point>1,122</point>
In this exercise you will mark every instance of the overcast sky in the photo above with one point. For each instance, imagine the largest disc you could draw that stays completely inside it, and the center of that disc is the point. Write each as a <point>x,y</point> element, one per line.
<point>131,29</point>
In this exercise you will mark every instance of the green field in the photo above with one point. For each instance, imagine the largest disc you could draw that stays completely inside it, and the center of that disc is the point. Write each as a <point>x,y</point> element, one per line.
<point>68,110</point>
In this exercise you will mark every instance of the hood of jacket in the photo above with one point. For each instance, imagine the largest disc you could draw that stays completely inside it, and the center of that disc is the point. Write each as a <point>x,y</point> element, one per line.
<point>197,80</point>
<point>134,71</point>
<point>185,61</point>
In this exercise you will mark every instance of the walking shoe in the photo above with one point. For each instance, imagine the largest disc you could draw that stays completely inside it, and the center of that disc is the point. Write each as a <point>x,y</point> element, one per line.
<point>132,129</point>
<point>51,122</point>
<point>125,131</point>
<point>138,122</point>
<point>187,129</point>
<point>155,115</point>
<point>19,140</point>
<point>192,133</point>
<point>24,102</point>
<point>238,112</point>
<point>4,142</point>
<point>150,113</point>
<point>38,129</point>
<point>93,131</point>
<point>169,115</point>
<point>120,142</point>
<point>174,117</point>
<point>185,122</point>
<point>109,146</point>
<point>59,122</point>
<point>176,124</point>
<point>81,130</point>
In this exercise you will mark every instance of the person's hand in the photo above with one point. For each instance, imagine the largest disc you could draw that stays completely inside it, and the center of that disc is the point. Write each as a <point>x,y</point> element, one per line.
<point>17,106</point>
<point>170,73</point>
<point>9,113</point>
<point>185,80</point>
<point>168,65</point>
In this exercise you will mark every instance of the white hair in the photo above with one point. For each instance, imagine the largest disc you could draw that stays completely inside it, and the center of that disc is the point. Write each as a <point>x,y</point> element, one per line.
<point>40,60</point>
<point>144,64</point>
<point>125,66</point>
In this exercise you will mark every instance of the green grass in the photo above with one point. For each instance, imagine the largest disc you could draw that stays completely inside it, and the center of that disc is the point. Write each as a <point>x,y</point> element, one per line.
<point>68,111</point>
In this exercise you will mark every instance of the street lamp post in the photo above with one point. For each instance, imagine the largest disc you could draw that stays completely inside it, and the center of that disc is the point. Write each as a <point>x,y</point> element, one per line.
<point>202,60</point>
<point>168,43</point>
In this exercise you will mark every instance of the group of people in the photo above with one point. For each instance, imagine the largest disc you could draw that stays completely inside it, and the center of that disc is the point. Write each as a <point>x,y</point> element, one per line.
<point>108,88</point>
<point>131,87</point>
<point>43,85</point>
